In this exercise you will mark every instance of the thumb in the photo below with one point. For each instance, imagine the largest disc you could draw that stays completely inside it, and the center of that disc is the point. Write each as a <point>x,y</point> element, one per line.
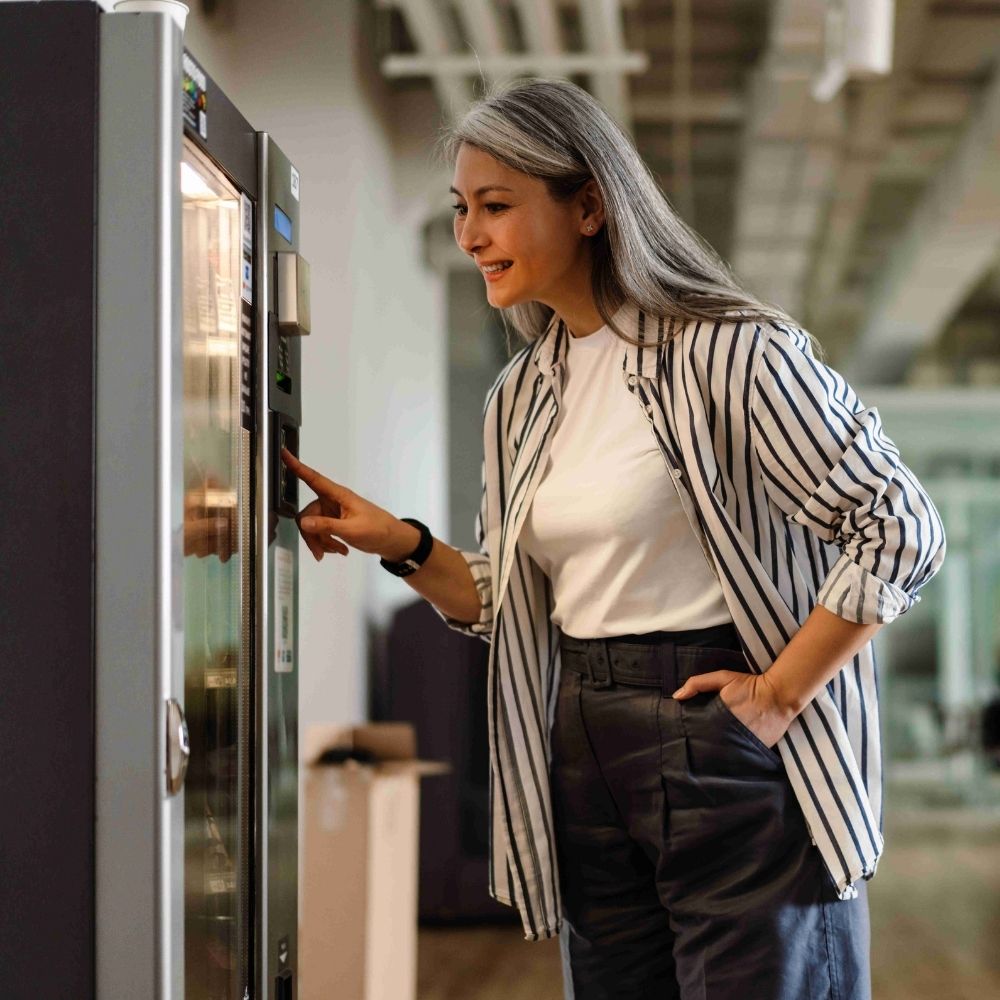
<point>713,680</point>
<point>323,525</point>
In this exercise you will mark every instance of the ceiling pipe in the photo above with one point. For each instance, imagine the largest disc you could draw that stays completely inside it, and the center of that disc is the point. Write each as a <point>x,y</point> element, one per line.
<point>857,41</point>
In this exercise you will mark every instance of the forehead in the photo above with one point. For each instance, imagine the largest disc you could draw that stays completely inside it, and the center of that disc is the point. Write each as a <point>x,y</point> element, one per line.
<point>474,168</point>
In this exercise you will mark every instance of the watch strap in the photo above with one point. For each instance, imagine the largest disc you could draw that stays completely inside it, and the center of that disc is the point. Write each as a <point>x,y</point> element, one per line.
<point>412,562</point>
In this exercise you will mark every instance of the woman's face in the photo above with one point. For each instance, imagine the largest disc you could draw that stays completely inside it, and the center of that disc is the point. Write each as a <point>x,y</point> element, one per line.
<point>503,216</point>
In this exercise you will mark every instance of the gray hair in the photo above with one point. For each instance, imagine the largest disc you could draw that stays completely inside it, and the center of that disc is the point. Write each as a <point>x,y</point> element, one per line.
<point>555,131</point>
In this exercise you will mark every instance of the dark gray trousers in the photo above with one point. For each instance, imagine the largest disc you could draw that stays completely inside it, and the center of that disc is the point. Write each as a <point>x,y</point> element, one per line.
<point>685,865</point>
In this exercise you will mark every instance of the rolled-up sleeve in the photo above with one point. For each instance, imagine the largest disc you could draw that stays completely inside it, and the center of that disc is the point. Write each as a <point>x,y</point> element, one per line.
<point>827,463</point>
<point>479,565</point>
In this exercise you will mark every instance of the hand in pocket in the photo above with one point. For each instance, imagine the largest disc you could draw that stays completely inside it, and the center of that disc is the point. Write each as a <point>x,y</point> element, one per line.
<point>749,697</point>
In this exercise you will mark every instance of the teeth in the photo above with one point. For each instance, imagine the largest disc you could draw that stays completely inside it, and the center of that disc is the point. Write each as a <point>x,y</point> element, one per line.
<point>491,268</point>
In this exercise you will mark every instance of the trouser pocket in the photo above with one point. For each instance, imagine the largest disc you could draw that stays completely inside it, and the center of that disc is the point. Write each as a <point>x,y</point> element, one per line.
<point>718,740</point>
<point>731,718</point>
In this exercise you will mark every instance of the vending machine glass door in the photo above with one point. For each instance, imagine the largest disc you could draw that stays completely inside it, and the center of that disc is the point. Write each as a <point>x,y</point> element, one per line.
<point>218,560</point>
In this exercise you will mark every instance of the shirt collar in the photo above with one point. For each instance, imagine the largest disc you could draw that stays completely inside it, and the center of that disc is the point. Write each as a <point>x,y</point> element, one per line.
<point>550,347</point>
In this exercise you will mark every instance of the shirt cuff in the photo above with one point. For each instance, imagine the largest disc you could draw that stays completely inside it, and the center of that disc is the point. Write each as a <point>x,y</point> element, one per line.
<point>479,566</point>
<point>852,592</point>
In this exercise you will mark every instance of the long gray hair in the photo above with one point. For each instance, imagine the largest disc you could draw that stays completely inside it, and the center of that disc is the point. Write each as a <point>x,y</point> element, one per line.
<point>645,253</point>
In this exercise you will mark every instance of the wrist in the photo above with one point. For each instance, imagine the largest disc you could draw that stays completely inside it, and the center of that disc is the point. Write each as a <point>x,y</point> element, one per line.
<point>786,700</point>
<point>404,538</point>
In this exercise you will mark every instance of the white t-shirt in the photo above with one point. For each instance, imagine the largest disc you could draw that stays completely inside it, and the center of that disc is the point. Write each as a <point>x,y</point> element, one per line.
<point>606,525</point>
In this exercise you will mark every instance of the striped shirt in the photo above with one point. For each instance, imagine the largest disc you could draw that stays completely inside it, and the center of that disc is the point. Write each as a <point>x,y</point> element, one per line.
<point>798,497</point>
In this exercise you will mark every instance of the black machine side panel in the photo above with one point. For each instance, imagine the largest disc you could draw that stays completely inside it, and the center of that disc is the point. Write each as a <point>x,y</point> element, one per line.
<point>47,309</point>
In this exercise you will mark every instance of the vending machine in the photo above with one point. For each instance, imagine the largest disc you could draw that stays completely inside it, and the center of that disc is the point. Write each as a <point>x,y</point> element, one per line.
<point>156,310</point>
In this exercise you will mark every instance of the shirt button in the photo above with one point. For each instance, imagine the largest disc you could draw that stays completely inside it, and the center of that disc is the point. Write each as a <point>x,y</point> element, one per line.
<point>649,408</point>
<point>677,473</point>
<point>631,380</point>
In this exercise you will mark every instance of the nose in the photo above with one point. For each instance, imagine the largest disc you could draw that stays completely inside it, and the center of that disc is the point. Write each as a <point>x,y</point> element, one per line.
<point>470,236</point>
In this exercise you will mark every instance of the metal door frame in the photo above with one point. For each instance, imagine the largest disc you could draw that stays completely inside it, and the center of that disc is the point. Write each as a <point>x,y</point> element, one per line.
<point>139,665</point>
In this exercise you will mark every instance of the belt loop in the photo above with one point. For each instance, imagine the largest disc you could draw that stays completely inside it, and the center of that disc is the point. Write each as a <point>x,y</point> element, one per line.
<point>599,651</point>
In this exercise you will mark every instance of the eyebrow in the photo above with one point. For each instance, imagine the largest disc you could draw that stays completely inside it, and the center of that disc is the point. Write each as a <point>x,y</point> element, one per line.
<point>481,191</point>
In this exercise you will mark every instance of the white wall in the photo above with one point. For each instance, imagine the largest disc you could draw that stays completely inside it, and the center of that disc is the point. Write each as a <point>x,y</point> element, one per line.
<point>374,367</point>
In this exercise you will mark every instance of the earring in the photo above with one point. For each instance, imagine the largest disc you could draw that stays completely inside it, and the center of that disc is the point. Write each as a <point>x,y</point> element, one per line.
<point>590,228</point>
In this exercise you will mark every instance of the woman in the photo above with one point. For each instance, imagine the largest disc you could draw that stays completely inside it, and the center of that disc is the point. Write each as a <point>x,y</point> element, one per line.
<point>690,530</point>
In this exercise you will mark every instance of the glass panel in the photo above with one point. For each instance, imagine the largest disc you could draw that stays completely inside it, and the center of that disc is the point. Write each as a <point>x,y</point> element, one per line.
<point>216,591</point>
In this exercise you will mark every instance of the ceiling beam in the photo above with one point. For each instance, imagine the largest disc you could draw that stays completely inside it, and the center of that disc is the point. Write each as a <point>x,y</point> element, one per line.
<point>515,62</point>
<point>482,30</point>
<point>540,25</point>
<point>950,243</point>
<point>865,147</point>
<point>603,36</point>
<point>721,107</point>
<point>427,27</point>
<point>788,158</point>
<point>681,133</point>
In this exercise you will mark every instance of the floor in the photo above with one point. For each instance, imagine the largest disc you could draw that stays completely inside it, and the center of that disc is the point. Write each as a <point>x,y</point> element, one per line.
<point>935,912</point>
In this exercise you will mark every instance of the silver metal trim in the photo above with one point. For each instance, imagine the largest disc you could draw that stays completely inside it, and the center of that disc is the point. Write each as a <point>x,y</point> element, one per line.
<point>276,682</point>
<point>139,845</point>
<point>262,573</point>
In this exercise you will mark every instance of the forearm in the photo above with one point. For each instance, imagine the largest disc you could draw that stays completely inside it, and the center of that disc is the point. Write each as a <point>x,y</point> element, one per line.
<point>444,579</point>
<point>814,655</point>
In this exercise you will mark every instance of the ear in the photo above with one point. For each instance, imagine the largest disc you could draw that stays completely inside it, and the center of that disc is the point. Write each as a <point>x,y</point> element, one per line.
<point>591,204</point>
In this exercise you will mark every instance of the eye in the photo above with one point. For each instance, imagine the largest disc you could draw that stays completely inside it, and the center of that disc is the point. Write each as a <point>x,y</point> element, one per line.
<point>494,208</point>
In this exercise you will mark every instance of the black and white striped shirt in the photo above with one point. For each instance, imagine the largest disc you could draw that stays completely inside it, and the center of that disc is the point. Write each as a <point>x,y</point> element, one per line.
<point>798,497</point>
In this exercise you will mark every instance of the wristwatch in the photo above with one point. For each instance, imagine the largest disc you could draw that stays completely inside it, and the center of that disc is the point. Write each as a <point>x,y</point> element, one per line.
<point>417,557</point>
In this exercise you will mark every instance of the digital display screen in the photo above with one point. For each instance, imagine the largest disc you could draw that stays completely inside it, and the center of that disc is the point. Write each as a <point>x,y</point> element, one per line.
<point>282,223</point>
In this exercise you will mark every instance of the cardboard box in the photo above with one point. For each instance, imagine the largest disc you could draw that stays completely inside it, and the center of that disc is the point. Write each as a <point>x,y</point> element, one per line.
<point>358,936</point>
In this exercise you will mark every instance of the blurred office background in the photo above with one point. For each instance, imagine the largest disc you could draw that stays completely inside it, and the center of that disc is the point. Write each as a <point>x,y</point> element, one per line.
<point>844,157</point>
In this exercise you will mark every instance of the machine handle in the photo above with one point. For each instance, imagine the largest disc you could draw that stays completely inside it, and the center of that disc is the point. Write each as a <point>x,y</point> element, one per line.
<point>178,747</point>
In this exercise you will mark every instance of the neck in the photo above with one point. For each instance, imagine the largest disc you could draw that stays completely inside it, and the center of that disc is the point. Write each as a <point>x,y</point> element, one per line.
<point>572,299</point>
<point>582,323</point>
<point>579,314</point>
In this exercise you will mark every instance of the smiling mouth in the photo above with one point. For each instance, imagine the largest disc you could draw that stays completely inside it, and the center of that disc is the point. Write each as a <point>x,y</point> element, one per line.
<point>497,269</point>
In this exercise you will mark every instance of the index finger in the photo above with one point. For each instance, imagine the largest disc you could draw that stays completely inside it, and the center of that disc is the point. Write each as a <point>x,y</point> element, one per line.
<point>313,479</point>
<point>711,680</point>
